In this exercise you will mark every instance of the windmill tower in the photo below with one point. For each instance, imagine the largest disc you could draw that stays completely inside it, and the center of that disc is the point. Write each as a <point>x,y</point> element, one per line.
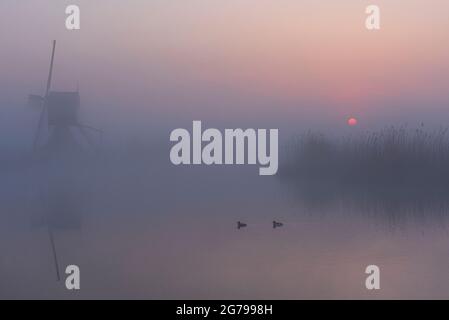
<point>60,110</point>
<point>59,118</point>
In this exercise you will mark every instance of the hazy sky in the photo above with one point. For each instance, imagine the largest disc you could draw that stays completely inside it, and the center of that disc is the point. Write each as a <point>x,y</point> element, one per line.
<point>278,61</point>
<point>150,66</point>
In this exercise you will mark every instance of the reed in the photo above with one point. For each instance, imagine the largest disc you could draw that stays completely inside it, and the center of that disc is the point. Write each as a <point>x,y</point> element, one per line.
<point>389,158</point>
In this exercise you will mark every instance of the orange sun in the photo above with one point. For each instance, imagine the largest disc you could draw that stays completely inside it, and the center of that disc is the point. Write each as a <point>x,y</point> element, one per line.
<point>352,122</point>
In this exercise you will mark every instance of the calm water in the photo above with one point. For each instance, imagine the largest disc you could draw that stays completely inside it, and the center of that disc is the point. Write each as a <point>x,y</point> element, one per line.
<point>152,230</point>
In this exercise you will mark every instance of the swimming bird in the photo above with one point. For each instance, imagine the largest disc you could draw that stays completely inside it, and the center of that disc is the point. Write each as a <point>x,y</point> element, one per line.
<point>277,224</point>
<point>241,225</point>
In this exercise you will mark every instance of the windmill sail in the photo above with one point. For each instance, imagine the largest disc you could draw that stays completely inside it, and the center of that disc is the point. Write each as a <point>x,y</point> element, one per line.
<point>47,90</point>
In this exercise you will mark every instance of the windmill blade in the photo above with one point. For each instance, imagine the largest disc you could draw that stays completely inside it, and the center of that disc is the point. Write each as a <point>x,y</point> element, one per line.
<point>79,125</point>
<point>50,74</point>
<point>86,135</point>
<point>47,90</point>
<point>84,131</point>
<point>39,127</point>
<point>55,255</point>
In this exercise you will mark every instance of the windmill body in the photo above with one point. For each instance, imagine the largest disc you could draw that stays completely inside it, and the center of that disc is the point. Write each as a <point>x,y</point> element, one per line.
<point>62,172</point>
<point>60,110</point>
<point>62,114</point>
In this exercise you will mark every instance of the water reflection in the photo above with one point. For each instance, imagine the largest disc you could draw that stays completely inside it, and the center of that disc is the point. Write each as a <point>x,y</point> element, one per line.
<point>139,227</point>
<point>386,205</point>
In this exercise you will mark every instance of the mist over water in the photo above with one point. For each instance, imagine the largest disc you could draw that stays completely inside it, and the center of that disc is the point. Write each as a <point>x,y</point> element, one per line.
<point>140,227</point>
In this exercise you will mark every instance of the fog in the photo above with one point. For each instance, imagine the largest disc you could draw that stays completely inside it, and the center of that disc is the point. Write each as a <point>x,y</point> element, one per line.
<point>140,227</point>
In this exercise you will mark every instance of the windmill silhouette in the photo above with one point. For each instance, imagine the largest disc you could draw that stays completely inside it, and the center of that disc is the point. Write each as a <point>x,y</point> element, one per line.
<point>60,112</point>
<point>60,109</point>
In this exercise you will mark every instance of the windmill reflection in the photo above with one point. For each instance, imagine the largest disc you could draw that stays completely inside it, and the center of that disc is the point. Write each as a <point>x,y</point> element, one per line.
<point>61,155</point>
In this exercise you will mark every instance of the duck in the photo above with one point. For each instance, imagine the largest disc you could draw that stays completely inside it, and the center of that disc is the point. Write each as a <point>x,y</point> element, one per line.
<point>241,225</point>
<point>277,224</point>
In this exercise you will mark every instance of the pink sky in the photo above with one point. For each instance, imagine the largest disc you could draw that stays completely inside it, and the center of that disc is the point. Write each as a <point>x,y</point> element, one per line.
<point>234,58</point>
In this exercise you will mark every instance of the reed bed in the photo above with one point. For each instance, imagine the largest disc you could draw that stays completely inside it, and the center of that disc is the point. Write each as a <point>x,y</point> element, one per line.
<point>389,158</point>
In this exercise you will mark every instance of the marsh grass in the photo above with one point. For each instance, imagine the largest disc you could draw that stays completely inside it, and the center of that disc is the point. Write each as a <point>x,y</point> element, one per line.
<point>396,172</point>
<point>391,158</point>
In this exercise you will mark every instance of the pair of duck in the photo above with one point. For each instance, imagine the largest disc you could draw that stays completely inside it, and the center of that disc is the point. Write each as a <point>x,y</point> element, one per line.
<point>276,224</point>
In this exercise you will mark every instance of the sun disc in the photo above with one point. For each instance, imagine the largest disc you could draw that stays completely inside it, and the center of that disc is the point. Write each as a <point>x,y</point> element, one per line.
<point>352,121</point>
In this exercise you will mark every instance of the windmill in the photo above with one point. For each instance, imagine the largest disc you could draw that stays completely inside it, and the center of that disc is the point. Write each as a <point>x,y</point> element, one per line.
<point>60,110</point>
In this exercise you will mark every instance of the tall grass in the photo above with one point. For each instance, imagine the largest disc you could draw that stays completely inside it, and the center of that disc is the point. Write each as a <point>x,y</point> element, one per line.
<point>391,158</point>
